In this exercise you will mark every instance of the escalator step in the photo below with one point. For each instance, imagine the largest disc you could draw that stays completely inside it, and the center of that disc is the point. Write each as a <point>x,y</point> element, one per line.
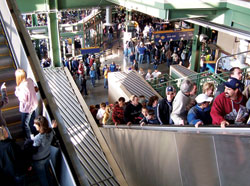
<point>16,131</point>
<point>11,85</point>
<point>6,62</point>
<point>7,74</point>
<point>4,50</point>
<point>2,39</point>
<point>13,102</point>
<point>12,116</point>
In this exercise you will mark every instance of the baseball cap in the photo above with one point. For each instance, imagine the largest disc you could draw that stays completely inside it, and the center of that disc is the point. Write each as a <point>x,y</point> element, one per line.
<point>203,98</point>
<point>232,83</point>
<point>170,89</point>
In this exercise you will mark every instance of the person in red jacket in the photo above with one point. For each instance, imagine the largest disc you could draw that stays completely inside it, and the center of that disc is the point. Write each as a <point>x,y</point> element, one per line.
<point>230,106</point>
<point>118,112</point>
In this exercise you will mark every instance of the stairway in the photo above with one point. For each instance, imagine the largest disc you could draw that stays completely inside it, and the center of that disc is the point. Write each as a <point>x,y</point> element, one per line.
<point>7,74</point>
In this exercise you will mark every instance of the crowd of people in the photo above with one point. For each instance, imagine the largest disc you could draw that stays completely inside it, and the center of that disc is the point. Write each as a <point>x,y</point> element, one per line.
<point>226,104</point>
<point>89,66</point>
<point>17,162</point>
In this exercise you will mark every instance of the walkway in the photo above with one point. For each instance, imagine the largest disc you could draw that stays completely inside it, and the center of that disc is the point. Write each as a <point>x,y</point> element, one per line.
<point>98,94</point>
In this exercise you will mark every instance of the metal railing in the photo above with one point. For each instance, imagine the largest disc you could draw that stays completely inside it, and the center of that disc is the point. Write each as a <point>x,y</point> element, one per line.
<point>220,58</point>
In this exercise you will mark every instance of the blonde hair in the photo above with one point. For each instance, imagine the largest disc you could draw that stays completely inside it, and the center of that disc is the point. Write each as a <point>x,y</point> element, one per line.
<point>20,76</point>
<point>108,109</point>
<point>133,97</point>
<point>207,86</point>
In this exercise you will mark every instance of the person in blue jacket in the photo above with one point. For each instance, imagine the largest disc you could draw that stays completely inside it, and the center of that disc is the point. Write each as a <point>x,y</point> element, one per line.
<point>92,76</point>
<point>112,67</point>
<point>200,113</point>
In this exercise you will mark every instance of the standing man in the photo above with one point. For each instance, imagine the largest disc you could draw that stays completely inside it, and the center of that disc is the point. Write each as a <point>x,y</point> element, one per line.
<point>236,73</point>
<point>132,111</point>
<point>164,107</point>
<point>230,106</point>
<point>182,99</point>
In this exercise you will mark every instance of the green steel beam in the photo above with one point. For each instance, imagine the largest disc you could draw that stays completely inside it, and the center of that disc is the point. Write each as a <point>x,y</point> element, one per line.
<point>28,6</point>
<point>71,34</point>
<point>195,60</point>
<point>76,4</point>
<point>54,34</point>
<point>182,14</point>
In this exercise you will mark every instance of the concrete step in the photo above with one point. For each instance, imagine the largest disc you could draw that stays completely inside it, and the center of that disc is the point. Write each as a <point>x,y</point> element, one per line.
<point>6,62</point>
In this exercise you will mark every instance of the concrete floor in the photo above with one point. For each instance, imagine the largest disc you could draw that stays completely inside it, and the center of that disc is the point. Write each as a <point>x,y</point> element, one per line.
<point>99,94</point>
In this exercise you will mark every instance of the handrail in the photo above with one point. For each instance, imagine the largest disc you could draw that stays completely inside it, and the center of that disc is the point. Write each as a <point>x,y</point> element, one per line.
<point>13,54</point>
<point>216,64</point>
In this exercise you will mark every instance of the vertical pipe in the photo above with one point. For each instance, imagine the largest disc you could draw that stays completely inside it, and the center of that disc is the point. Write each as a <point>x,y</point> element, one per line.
<point>54,34</point>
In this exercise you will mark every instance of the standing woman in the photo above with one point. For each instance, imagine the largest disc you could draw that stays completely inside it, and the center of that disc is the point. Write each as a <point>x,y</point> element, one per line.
<point>26,94</point>
<point>41,143</point>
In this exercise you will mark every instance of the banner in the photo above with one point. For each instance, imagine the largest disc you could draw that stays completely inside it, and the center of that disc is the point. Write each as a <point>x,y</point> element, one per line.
<point>90,50</point>
<point>186,34</point>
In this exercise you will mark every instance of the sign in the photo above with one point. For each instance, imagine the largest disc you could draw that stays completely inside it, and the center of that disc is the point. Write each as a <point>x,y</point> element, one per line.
<point>164,36</point>
<point>90,50</point>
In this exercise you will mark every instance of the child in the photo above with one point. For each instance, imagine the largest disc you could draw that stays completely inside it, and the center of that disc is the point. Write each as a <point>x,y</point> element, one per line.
<point>156,62</point>
<point>100,113</point>
<point>149,118</point>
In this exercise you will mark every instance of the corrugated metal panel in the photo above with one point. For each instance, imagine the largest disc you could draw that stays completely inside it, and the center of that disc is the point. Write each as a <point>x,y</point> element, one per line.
<point>82,136</point>
<point>134,84</point>
<point>181,72</point>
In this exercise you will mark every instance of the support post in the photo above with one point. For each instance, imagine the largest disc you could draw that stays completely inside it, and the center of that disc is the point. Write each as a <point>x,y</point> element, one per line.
<point>54,33</point>
<point>195,60</point>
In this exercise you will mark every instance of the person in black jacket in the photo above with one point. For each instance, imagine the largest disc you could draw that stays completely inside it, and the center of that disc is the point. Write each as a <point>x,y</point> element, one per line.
<point>13,163</point>
<point>164,107</point>
<point>132,111</point>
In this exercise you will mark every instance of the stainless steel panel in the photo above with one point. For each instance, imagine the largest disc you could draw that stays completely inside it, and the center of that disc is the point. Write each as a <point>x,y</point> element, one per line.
<point>233,159</point>
<point>145,157</point>
<point>197,160</point>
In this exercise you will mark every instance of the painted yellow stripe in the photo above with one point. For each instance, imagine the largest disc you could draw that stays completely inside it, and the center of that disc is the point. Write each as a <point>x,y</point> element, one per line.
<point>5,54</point>
<point>14,123</point>
<point>210,62</point>
<point>4,67</point>
<point>9,93</point>
<point>9,108</point>
<point>4,80</point>
<point>89,48</point>
<point>172,31</point>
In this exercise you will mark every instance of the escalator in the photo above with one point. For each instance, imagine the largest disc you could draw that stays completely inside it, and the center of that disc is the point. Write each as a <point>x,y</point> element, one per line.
<point>7,74</point>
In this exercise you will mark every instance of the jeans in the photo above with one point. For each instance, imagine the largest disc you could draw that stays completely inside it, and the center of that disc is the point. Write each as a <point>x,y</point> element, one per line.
<point>162,58</point>
<point>93,81</point>
<point>168,62</point>
<point>27,123</point>
<point>141,56</point>
<point>105,83</point>
<point>42,170</point>
<point>147,58</point>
